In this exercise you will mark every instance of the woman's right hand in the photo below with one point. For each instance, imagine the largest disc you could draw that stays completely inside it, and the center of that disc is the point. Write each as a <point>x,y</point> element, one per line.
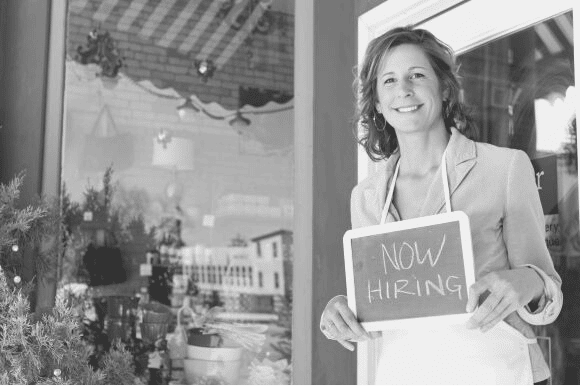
<point>339,323</point>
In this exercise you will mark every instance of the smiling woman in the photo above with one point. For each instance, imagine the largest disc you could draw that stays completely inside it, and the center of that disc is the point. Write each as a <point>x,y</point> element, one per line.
<point>411,114</point>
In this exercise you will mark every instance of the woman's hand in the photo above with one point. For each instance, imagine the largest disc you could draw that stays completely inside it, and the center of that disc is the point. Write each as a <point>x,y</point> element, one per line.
<point>508,290</point>
<point>339,323</point>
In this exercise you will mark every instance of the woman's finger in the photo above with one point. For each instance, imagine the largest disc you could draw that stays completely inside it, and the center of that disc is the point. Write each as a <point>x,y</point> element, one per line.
<point>330,331</point>
<point>484,310</point>
<point>476,289</point>
<point>339,330</point>
<point>347,345</point>
<point>492,309</point>
<point>503,309</point>
<point>356,328</point>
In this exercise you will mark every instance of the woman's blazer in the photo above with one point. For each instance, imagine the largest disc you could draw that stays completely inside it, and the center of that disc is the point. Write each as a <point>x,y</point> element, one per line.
<point>496,188</point>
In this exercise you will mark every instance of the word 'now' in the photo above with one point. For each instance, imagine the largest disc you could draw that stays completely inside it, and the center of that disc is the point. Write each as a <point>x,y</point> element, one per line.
<point>407,255</point>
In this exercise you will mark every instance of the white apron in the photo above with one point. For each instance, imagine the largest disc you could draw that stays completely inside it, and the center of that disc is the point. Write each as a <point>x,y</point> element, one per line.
<point>452,354</point>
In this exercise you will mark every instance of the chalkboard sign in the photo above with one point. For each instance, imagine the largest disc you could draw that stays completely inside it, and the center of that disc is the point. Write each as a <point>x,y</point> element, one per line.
<point>411,272</point>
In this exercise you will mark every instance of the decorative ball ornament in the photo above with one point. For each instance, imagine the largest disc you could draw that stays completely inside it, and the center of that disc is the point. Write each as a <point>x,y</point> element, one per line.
<point>17,279</point>
<point>57,372</point>
<point>15,248</point>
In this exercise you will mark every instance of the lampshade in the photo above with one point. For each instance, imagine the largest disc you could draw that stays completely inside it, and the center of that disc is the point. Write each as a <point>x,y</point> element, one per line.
<point>176,154</point>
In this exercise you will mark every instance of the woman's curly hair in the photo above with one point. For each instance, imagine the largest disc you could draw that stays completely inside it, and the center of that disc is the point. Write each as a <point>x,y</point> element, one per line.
<point>380,143</point>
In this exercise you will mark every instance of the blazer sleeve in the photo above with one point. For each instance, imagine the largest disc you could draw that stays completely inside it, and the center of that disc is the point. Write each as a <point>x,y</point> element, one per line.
<point>524,237</point>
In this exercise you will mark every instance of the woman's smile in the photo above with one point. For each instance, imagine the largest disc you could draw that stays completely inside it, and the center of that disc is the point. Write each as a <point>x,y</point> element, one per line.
<point>408,109</point>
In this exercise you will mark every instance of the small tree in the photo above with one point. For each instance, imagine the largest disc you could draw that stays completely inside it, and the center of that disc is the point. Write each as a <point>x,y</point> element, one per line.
<point>47,349</point>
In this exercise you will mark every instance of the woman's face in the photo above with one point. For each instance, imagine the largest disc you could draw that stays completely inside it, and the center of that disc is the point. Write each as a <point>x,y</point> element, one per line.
<point>409,92</point>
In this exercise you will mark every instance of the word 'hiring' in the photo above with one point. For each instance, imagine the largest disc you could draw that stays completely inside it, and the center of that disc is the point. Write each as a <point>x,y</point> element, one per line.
<point>414,287</point>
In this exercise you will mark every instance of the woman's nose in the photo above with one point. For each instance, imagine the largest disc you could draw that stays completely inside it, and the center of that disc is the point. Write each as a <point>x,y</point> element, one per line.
<point>405,88</point>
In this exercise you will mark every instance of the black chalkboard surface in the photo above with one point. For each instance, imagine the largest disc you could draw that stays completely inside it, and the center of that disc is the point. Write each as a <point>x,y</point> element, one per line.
<point>410,272</point>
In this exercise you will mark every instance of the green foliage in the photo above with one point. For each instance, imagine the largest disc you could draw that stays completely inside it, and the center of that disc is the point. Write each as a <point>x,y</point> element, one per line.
<point>118,365</point>
<point>31,351</point>
<point>26,228</point>
<point>49,349</point>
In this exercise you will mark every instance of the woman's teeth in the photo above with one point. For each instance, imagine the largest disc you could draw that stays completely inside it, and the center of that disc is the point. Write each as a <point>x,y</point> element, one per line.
<point>407,109</point>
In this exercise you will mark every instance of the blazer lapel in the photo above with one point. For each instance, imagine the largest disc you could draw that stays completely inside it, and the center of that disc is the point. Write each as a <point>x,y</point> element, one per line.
<point>376,193</point>
<point>460,157</point>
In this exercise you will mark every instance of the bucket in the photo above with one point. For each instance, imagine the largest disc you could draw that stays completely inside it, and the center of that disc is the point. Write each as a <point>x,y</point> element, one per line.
<point>222,363</point>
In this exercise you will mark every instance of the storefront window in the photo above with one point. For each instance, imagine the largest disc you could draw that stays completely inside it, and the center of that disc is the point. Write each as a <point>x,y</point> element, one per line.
<point>178,170</point>
<point>523,91</point>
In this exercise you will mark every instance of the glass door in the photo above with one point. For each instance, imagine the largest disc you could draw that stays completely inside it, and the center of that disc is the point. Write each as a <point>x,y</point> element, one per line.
<point>518,75</point>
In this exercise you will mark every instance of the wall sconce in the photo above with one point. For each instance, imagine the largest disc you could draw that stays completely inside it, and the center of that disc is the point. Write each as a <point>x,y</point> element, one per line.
<point>164,137</point>
<point>205,68</point>
<point>239,122</point>
<point>186,107</point>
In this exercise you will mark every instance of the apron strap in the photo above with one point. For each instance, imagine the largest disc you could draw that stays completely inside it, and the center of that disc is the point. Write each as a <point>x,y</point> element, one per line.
<point>394,179</point>
<point>445,182</point>
<point>390,194</point>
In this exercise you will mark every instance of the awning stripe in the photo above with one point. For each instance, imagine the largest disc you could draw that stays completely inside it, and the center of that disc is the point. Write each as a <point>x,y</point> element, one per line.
<point>105,10</point>
<point>179,23</point>
<point>131,13</point>
<point>219,33</point>
<point>200,27</point>
<point>240,36</point>
<point>156,17</point>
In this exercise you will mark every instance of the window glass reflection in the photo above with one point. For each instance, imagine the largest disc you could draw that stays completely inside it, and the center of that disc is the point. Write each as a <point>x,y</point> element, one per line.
<point>177,173</point>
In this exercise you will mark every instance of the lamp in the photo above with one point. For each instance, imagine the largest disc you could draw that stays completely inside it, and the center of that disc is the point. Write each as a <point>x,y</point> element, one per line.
<point>185,107</point>
<point>173,151</point>
<point>163,137</point>
<point>239,121</point>
<point>205,68</point>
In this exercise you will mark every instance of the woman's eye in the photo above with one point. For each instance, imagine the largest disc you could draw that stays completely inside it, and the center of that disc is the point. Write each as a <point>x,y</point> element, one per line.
<point>417,75</point>
<point>389,80</point>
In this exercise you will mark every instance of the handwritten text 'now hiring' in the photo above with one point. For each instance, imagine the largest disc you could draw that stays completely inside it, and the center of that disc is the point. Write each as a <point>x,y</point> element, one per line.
<point>404,258</point>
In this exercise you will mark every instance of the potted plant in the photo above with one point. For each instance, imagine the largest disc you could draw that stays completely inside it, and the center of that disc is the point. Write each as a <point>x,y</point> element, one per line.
<point>215,348</point>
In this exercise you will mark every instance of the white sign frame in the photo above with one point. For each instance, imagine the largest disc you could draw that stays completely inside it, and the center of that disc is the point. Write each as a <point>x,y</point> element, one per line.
<point>417,322</point>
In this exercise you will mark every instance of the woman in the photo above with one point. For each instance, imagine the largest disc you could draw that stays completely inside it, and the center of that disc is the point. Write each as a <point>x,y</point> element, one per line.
<point>410,110</point>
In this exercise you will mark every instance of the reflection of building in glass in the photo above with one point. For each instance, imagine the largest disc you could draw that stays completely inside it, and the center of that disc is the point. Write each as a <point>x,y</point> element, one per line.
<point>256,278</point>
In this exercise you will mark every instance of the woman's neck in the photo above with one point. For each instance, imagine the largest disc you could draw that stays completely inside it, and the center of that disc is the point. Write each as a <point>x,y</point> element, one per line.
<point>421,152</point>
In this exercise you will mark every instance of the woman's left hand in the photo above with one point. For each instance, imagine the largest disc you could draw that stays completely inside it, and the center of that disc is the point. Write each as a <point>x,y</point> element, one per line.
<point>508,291</point>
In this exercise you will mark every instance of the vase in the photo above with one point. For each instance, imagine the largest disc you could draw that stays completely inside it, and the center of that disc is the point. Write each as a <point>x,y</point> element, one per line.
<point>151,332</point>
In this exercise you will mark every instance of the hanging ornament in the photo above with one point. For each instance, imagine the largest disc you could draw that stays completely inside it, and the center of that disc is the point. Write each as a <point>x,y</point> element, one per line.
<point>57,372</point>
<point>17,279</point>
<point>15,248</point>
